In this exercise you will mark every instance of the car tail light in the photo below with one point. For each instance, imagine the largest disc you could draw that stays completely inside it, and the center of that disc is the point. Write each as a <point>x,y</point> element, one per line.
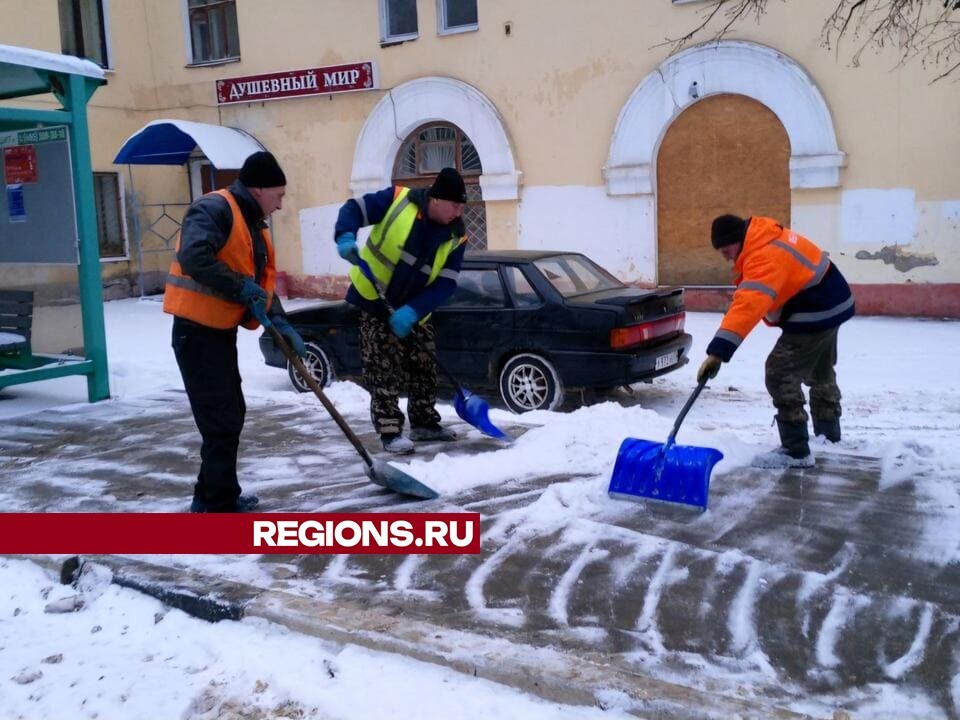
<point>624,337</point>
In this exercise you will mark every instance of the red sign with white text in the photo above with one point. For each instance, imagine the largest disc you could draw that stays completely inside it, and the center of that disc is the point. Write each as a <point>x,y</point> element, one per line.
<point>240,533</point>
<point>20,164</point>
<point>298,83</point>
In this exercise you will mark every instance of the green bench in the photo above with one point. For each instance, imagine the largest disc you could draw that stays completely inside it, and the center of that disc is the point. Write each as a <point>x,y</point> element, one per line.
<point>16,323</point>
<point>18,363</point>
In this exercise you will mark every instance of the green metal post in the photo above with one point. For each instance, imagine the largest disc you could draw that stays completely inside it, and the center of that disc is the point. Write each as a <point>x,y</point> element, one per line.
<point>91,293</point>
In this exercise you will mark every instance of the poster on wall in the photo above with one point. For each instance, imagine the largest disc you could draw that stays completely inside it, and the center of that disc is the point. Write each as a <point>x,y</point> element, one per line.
<point>16,209</point>
<point>20,164</point>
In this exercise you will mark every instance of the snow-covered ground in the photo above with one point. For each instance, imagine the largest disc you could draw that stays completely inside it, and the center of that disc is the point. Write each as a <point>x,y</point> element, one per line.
<point>901,404</point>
<point>125,656</point>
<point>899,378</point>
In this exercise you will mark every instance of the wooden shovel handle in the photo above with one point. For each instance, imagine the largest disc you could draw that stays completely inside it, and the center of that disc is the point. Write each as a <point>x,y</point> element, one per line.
<point>308,378</point>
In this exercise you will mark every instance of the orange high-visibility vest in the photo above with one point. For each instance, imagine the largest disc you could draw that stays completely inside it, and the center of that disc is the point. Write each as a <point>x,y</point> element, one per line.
<point>774,265</point>
<point>186,298</point>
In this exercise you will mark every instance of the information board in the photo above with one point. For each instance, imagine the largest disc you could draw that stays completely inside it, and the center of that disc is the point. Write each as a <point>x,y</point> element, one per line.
<point>38,220</point>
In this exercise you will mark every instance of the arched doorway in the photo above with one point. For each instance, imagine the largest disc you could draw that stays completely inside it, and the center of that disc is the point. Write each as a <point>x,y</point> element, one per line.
<point>429,149</point>
<point>724,154</point>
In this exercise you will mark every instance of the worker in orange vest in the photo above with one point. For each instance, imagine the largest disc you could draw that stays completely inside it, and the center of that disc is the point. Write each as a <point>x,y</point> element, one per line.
<point>785,280</point>
<point>224,276</point>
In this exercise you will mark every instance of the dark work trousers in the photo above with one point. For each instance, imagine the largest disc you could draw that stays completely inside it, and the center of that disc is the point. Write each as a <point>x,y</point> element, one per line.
<point>391,365</point>
<point>809,359</point>
<point>207,358</point>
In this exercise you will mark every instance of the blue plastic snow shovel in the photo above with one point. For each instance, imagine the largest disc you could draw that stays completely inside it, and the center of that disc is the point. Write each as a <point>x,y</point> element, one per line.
<point>471,408</point>
<point>647,470</point>
<point>378,471</point>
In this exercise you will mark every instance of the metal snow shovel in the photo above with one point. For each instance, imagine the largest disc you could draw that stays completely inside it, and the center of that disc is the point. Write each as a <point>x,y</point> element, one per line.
<point>471,408</point>
<point>378,471</point>
<point>658,471</point>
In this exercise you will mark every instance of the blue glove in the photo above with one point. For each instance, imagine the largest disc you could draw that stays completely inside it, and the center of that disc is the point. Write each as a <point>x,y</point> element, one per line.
<point>258,308</point>
<point>251,292</point>
<point>347,246</point>
<point>292,336</point>
<point>403,320</point>
<point>255,298</point>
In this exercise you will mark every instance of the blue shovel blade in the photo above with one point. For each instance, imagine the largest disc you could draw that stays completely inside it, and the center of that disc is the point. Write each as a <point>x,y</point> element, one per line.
<point>476,412</point>
<point>397,480</point>
<point>674,473</point>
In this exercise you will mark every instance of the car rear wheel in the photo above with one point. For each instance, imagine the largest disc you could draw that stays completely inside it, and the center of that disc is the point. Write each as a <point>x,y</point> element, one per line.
<point>530,382</point>
<point>317,364</point>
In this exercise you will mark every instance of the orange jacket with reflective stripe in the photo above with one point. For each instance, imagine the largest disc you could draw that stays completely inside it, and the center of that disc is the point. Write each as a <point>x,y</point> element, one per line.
<point>775,266</point>
<point>186,298</point>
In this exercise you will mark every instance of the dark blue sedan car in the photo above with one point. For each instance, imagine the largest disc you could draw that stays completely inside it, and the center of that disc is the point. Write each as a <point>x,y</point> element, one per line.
<point>531,326</point>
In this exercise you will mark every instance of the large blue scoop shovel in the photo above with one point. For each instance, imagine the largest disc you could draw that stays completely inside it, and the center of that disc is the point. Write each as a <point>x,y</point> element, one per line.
<point>647,470</point>
<point>471,408</point>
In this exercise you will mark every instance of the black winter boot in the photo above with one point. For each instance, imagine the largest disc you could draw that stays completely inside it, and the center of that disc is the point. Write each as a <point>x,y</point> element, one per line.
<point>794,438</point>
<point>794,450</point>
<point>830,429</point>
<point>244,503</point>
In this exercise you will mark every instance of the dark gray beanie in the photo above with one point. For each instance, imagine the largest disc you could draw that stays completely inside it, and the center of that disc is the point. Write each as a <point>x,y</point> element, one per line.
<point>727,230</point>
<point>261,170</point>
<point>449,186</point>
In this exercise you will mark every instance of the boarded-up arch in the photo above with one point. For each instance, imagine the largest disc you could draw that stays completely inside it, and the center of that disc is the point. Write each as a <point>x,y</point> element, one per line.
<point>723,154</point>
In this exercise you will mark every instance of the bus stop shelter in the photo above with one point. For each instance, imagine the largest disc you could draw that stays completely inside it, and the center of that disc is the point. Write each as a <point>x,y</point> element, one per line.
<point>48,207</point>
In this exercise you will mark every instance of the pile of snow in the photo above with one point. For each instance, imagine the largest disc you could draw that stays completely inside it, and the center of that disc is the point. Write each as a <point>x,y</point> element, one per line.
<point>99,650</point>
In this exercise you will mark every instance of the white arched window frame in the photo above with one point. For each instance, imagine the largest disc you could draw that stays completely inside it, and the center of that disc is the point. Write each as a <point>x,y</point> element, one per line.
<point>736,67</point>
<point>434,99</point>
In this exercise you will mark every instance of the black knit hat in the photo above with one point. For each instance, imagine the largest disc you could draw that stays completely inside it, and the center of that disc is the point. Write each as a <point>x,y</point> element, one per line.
<point>261,170</point>
<point>727,230</point>
<point>449,186</point>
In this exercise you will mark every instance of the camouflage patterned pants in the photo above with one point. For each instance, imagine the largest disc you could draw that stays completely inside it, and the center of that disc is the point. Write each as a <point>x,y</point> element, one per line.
<point>809,359</point>
<point>391,365</point>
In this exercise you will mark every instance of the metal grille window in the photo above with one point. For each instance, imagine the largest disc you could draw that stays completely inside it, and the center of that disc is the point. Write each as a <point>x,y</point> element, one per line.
<point>429,149</point>
<point>398,20</point>
<point>213,30</point>
<point>106,194</point>
<point>83,30</point>
<point>455,16</point>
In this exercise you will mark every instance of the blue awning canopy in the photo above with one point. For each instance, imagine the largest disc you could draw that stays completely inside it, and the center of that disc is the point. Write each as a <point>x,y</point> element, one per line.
<point>170,142</point>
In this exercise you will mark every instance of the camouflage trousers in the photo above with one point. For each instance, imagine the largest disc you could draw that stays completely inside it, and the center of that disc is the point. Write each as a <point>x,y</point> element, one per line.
<point>392,366</point>
<point>808,359</point>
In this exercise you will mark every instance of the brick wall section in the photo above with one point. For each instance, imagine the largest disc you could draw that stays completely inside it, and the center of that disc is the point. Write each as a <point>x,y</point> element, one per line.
<point>901,300</point>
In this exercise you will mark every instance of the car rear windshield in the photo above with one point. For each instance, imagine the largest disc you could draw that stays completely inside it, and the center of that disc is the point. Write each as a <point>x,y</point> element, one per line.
<point>574,275</point>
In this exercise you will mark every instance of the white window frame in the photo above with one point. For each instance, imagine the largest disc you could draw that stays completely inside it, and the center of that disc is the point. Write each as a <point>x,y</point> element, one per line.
<point>443,29</point>
<point>188,41</point>
<point>385,37</point>
<point>197,164</point>
<point>108,46</point>
<point>122,204</point>
<point>106,31</point>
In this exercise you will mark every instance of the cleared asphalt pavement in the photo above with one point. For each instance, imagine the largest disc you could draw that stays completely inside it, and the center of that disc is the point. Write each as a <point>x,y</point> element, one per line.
<point>799,600</point>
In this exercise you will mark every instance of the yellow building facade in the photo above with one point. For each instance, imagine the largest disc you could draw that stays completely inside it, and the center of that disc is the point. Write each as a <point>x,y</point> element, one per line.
<point>574,124</point>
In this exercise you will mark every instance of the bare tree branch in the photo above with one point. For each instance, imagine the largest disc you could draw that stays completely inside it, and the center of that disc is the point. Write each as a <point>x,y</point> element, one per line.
<point>733,11</point>
<point>924,30</point>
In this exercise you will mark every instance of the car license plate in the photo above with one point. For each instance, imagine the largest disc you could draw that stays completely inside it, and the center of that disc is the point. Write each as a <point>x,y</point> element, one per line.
<point>665,361</point>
